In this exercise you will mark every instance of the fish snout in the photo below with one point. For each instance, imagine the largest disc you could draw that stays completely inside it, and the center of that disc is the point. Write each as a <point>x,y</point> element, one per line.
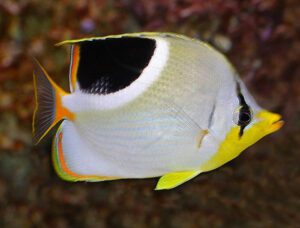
<point>273,121</point>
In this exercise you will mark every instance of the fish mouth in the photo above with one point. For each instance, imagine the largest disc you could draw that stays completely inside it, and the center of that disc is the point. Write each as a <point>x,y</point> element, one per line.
<point>277,124</point>
<point>271,121</point>
<point>277,121</point>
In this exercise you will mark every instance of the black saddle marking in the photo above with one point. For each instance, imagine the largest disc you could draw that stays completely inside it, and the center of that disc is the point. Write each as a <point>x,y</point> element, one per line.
<point>109,65</point>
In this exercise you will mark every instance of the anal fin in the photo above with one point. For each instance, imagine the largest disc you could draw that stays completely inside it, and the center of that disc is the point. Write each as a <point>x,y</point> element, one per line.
<point>60,160</point>
<point>172,180</point>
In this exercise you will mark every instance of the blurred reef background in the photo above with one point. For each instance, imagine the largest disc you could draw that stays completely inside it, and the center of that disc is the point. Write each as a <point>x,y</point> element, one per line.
<point>261,188</point>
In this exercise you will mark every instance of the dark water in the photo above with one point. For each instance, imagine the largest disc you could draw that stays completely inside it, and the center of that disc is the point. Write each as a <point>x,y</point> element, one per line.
<point>261,188</point>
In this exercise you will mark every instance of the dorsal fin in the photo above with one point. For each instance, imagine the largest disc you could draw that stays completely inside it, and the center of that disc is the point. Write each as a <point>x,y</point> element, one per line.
<point>74,61</point>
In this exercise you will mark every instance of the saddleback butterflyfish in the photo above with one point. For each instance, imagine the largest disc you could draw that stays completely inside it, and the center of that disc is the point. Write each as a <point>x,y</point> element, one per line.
<point>147,105</point>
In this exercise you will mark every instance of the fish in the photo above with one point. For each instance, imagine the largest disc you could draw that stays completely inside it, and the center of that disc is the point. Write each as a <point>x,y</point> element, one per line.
<point>145,105</point>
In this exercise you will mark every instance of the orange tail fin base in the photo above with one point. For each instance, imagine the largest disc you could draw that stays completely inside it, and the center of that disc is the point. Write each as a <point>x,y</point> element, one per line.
<point>48,104</point>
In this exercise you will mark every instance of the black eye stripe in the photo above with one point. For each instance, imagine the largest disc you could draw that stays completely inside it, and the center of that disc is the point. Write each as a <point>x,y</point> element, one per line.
<point>240,95</point>
<point>245,114</point>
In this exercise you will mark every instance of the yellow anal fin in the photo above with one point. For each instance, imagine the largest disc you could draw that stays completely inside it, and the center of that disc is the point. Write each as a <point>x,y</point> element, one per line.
<point>172,180</point>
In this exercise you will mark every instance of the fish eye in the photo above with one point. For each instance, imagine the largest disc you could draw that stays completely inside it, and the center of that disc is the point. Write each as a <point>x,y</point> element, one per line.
<point>245,117</point>
<point>242,116</point>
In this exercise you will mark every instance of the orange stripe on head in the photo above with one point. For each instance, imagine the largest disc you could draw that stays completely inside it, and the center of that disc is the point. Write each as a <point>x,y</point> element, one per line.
<point>70,173</point>
<point>75,63</point>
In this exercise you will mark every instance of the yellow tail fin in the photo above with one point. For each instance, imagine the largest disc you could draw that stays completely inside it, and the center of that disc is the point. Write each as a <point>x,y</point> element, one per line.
<point>49,109</point>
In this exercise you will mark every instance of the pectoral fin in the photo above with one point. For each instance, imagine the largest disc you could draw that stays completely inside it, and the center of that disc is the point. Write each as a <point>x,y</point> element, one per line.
<point>172,180</point>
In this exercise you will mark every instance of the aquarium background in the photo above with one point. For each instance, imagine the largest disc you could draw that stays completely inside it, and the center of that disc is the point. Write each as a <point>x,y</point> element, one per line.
<point>261,188</point>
